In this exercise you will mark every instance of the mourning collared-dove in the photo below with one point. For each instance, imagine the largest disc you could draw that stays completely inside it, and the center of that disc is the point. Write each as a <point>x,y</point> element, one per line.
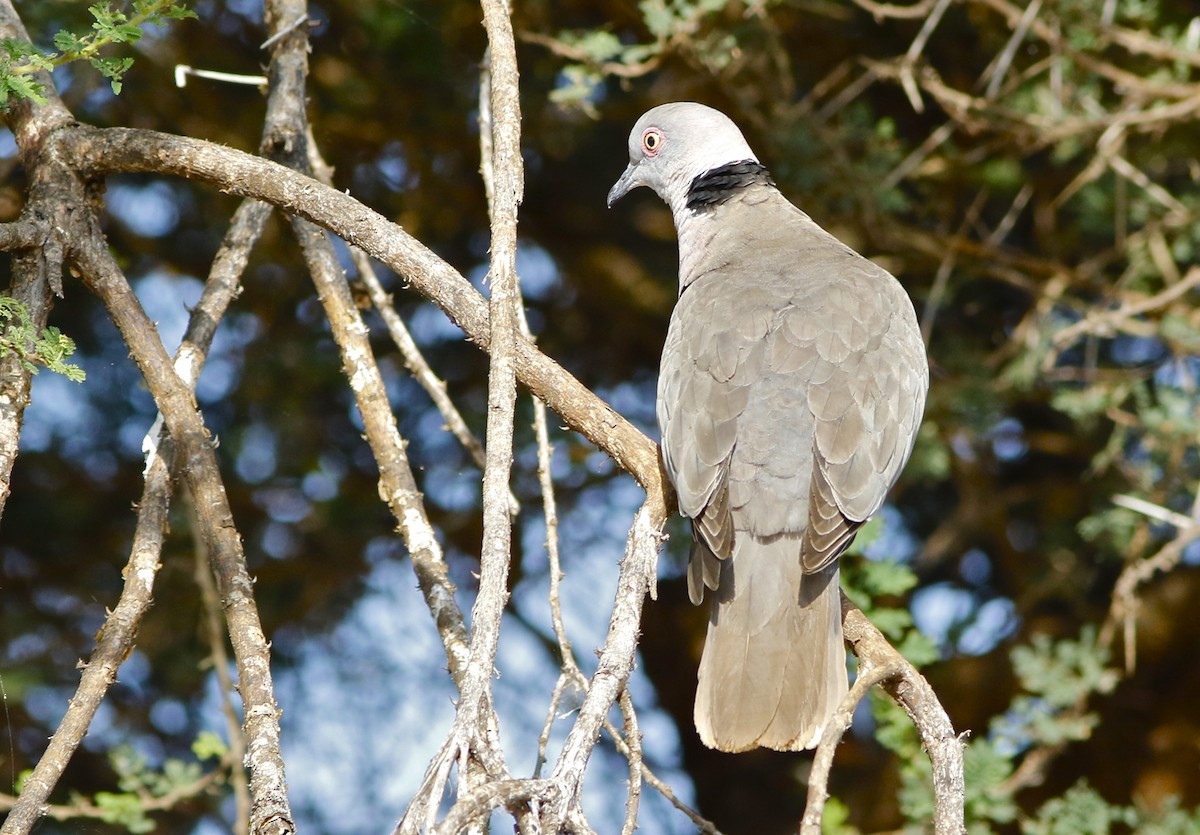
<point>792,384</point>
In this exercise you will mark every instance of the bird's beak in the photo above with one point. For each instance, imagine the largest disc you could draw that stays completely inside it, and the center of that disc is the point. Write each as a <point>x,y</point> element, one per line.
<point>627,182</point>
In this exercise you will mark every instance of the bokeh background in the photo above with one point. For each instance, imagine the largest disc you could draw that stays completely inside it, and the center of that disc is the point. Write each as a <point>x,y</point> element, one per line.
<point>1020,201</point>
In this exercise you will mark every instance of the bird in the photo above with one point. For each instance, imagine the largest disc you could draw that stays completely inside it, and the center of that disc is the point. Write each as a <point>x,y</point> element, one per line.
<point>791,389</point>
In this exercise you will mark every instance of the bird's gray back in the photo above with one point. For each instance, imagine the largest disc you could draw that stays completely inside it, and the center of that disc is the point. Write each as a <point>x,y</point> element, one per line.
<point>786,350</point>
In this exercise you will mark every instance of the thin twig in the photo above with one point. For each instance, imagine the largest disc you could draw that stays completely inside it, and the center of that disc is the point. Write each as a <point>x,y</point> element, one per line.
<point>907,82</point>
<point>702,824</point>
<point>1000,68</point>
<point>1010,217</point>
<point>220,664</point>
<point>616,658</point>
<point>115,641</point>
<point>1106,322</point>
<point>617,69</point>
<point>271,812</point>
<point>1154,511</point>
<point>633,739</point>
<point>417,364</point>
<point>881,11</point>
<point>869,674</point>
<point>942,277</point>
<point>496,551</point>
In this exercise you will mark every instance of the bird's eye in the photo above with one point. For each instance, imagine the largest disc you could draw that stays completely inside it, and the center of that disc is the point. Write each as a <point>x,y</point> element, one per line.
<point>652,140</point>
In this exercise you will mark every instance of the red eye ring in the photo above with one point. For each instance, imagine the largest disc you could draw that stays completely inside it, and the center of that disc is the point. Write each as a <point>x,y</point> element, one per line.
<point>652,140</point>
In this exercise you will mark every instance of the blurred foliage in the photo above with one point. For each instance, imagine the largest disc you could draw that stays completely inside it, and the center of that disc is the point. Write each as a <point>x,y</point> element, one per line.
<point>1027,171</point>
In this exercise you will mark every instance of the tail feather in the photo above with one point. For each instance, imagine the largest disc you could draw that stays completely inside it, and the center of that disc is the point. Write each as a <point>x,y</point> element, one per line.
<point>774,664</point>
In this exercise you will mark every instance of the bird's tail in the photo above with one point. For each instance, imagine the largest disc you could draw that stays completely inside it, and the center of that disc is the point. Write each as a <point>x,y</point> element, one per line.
<point>774,664</point>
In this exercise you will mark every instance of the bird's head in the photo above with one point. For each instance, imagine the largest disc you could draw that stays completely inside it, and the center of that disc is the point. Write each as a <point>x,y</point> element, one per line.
<point>672,144</point>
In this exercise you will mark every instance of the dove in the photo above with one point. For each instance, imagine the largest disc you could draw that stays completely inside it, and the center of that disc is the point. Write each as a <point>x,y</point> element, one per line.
<point>791,388</point>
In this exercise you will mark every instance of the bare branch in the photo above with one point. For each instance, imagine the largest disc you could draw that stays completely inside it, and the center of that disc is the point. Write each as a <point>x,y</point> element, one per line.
<point>1107,322</point>
<point>633,739</point>
<point>503,327</point>
<point>869,675</point>
<point>101,274</point>
<point>881,11</point>
<point>123,149</point>
<point>909,689</point>
<point>616,658</point>
<point>113,645</point>
<point>215,635</point>
<point>416,362</point>
<point>35,272</point>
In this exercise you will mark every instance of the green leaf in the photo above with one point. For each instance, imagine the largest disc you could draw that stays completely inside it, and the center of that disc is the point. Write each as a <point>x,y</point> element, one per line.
<point>836,820</point>
<point>891,622</point>
<point>209,746</point>
<point>125,810</point>
<point>1064,671</point>
<point>886,577</point>
<point>21,86</point>
<point>658,18</point>
<point>105,16</point>
<point>125,33</point>
<point>918,648</point>
<point>177,13</point>
<point>69,42</point>
<point>600,45</point>
<point>1081,809</point>
<point>984,771</point>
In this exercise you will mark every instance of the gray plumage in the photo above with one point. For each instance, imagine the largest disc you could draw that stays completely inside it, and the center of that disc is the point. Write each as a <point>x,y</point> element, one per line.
<point>792,384</point>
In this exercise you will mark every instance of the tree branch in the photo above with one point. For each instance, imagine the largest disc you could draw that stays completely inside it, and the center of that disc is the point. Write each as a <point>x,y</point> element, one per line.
<point>112,150</point>
<point>271,813</point>
<point>909,689</point>
<point>638,566</point>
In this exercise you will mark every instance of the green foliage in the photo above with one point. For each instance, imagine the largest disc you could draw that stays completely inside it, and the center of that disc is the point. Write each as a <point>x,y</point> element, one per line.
<point>1087,404</point>
<point>1117,525</point>
<point>110,25</point>
<point>123,810</point>
<point>209,746</point>
<point>1083,809</point>
<point>836,820</point>
<point>139,784</point>
<point>51,347</point>
<point>136,777</point>
<point>1080,809</point>
<point>1057,676</point>
<point>1170,819</point>
<point>665,20</point>
<point>868,581</point>
<point>985,770</point>
<point>1063,672</point>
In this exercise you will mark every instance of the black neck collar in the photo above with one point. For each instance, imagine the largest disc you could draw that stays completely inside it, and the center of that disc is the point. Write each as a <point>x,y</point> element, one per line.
<point>714,187</point>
